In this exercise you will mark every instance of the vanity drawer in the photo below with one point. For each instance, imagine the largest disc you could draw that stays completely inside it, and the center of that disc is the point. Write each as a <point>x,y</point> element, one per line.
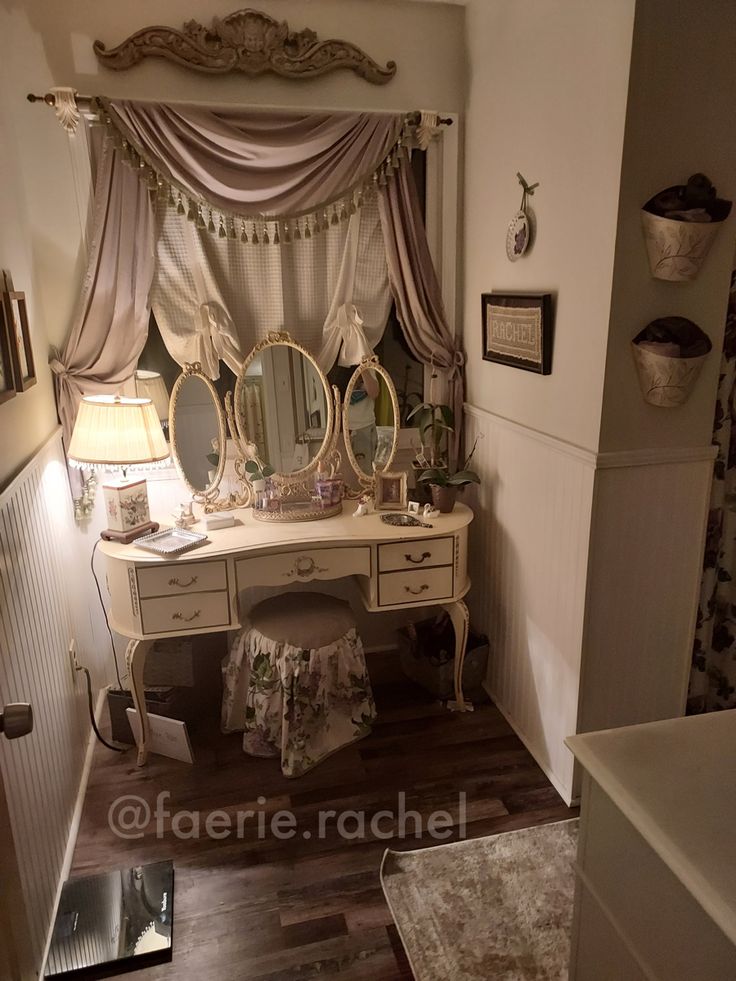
<point>412,555</point>
<point>415,586</point>
<point>166,614</point>
<point>304,565</point>
<point>189,577</point>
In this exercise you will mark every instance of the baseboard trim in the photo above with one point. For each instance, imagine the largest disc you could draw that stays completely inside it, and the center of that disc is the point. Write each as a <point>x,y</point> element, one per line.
<point>608,459</point>
<point>564,792</point>
<point>76,819</point>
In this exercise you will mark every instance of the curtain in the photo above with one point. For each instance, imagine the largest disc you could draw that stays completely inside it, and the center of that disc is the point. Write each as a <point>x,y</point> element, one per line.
<point>111,323</point>
<point>416,289</point>
<point>263,168</point>
<point>264,163</point>
<point>235,293</point>
<point>713,675</point>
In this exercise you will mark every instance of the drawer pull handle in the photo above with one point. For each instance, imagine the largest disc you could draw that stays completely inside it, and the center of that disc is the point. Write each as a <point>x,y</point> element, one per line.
<point>422,557</point>
<point>304,566</point>
<point>183,585</point>
<point>180,616</point>
<point>418,590</point>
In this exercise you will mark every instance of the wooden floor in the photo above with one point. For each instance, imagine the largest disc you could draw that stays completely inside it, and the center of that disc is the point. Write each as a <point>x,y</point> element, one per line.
<point>308,907</point>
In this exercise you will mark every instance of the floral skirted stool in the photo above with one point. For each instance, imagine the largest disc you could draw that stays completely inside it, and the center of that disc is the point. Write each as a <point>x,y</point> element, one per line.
<point>296,681</point>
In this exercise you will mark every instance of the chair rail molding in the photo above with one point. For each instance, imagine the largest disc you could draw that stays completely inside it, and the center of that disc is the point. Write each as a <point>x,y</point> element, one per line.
<point>246,41</point>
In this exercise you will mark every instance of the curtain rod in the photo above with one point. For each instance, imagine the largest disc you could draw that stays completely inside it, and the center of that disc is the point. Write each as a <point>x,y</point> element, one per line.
<point>413,118</point>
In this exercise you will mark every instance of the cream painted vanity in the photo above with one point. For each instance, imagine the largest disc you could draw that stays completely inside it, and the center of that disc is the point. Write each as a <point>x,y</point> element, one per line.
<point>281,400</point>
<point>153,597</point>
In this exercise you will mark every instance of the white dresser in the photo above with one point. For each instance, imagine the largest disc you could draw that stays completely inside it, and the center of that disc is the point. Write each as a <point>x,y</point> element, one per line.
<point>656,876</point>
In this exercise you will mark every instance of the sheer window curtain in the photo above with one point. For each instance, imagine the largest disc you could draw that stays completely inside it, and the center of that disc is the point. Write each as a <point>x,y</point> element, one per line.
<point>214,298</point>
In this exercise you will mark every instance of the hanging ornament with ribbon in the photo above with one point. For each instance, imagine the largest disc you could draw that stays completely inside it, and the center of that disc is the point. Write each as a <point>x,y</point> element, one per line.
<point>519,233</point>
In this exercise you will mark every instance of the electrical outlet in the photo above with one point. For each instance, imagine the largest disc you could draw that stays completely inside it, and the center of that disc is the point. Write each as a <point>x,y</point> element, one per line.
<point>73,658</point>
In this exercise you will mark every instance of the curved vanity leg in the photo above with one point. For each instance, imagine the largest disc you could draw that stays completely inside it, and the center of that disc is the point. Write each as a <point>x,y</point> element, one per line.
<point>460,621</point>
<point>135,658</point>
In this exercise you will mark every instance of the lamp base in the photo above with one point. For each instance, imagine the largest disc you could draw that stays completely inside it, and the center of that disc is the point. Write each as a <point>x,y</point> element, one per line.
<point>126,537</point>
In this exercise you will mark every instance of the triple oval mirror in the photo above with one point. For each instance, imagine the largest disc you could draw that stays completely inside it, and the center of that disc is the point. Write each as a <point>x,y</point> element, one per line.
<point>285,421</point>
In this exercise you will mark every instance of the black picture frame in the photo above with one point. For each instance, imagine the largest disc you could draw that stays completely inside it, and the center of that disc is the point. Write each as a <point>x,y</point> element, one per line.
<point>530,318</point>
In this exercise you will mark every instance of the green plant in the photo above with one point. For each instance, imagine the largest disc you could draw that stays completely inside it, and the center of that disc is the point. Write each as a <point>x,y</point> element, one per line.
<point>257,470</point>
<point>434,422</point>
<point>461,478</point>
<point>213,459</point>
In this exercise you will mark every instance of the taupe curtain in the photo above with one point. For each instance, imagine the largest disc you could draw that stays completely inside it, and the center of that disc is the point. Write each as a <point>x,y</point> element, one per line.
<point>261,164</point>
<point>111,323</point>
<point>416,289</point>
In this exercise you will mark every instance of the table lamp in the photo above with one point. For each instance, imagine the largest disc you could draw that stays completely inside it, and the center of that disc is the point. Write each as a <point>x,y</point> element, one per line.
<point>113,432</point>
<point>150,385</point>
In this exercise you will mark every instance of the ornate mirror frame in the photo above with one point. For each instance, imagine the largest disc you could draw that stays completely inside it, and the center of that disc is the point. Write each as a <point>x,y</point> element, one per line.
<point>327,459</point>
<point>208,496</point>
<point>368,481</point>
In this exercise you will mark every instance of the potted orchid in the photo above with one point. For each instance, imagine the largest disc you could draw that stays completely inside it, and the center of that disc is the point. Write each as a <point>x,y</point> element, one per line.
<point>435,421</point>
<point>444,485</point>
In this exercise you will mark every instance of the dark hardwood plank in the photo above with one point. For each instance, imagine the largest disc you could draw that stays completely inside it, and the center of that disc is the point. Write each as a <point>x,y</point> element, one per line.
<point>263,909</point>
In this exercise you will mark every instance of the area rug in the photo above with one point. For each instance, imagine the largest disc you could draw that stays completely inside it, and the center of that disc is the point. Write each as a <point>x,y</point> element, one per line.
<point>487,908</point>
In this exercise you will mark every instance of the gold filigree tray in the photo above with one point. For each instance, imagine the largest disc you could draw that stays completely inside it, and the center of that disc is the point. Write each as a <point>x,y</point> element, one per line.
<point>298,511</point>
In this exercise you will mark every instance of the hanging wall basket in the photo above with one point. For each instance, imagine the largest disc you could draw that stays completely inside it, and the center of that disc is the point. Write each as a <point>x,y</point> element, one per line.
<point>669,355</point>
<point>680,225</point>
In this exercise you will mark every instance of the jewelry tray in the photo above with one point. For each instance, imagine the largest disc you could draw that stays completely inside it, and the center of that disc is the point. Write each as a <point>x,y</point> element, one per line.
<point>171,541</point>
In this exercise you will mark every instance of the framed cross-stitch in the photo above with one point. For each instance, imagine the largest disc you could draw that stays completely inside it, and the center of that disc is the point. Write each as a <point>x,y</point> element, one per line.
<point>517,330</point>
<point>7,384</point>
<point>19,337</point>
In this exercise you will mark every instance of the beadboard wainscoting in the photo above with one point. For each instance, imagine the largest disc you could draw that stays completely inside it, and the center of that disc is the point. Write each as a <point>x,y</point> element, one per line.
<point>585,571</point>
<point>528,565</point>
<point>41,772</point>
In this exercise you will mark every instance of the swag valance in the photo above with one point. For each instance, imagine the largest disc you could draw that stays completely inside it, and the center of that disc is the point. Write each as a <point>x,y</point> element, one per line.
<point>265,178</point>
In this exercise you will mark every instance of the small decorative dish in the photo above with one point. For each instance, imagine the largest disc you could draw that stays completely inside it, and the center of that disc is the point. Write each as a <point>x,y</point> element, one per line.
<point>403,521</point>
<point>171,541</point>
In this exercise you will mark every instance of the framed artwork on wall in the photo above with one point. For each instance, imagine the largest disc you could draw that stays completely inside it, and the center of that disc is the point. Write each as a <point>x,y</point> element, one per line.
<point>7,384</point>
<point>19,337</point>
<point>517,330</point>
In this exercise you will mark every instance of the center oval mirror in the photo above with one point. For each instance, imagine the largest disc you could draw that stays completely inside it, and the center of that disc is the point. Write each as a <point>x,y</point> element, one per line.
<point>283,406</point>
<point>370,419</point>
<point>197,430</point>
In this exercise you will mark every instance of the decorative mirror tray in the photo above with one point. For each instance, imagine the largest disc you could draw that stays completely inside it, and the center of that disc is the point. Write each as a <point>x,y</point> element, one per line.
<point>404,521</point>
<point>297,511</point>
<point>171,541</point>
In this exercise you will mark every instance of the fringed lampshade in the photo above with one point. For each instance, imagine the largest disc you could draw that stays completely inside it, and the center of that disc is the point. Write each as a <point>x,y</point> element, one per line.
<point>112,432</point>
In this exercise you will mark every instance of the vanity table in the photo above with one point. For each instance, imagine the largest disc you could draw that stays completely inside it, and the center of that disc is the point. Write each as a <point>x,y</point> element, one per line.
<point>198,592</point>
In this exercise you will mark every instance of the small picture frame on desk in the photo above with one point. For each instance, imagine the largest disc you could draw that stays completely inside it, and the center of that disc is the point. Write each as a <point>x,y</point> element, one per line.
<point>391,491</point>
<point>19,339</point>
<point>517,330</point>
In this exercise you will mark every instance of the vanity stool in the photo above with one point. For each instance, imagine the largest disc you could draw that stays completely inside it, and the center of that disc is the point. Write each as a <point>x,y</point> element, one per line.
<point>295,681</point>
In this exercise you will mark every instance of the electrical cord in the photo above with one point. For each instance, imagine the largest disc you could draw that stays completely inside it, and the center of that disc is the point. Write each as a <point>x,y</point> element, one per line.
<point>115,749</point>
<point>104,611</point>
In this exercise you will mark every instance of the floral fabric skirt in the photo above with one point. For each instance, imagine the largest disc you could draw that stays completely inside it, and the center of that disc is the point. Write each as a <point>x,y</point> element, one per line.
<point>299,705</point>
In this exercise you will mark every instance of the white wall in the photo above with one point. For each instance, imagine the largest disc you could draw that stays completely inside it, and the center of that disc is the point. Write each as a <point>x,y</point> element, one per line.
<point>546,97</point>
<point>425,40</point>
<point>39,240</point>
<point>680,121</point>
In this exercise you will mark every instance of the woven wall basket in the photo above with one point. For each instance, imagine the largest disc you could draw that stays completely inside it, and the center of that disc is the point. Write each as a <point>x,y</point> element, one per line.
<point>677,249</point>
<point>666,382</point>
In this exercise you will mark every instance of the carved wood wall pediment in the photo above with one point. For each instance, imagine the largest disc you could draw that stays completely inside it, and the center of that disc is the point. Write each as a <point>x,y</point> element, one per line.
<point>246,41</point>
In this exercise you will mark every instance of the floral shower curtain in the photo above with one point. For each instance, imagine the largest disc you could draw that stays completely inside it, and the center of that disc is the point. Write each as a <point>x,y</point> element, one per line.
<point>713,675</point>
